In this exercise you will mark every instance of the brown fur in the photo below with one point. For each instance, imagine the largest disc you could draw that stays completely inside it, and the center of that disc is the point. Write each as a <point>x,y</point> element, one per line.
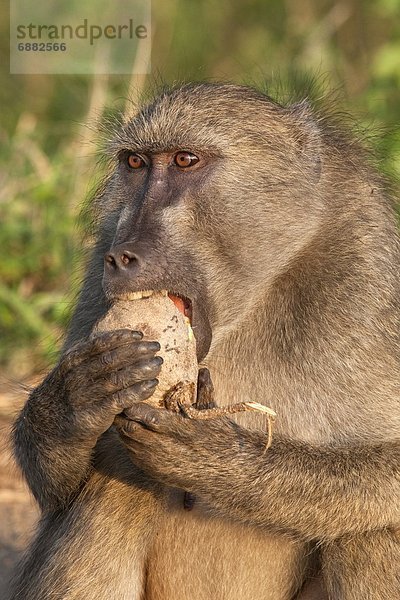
<point>287,242</point>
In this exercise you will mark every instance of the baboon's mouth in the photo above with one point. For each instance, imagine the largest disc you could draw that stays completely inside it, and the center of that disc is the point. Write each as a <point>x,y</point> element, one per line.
<point>183,304</point>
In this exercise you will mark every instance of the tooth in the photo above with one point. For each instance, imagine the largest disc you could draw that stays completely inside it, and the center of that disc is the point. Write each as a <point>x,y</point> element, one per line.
<point>135,295</point>
<point>143,294</point>
<point>138,295</point>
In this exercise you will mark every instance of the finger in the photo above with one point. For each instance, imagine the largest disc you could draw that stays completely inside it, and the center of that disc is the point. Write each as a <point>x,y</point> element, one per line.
<point>135,437</point>
<point>116,359</point>
<point>148,416</point>
<point>160,420</point>
<point>124,425</point>
<point>102,342</point>
<point>135,393</point>
<point>205,390</point>
<point>143,370</point>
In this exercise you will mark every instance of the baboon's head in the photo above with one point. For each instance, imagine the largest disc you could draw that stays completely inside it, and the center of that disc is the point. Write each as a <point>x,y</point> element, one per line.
<point>215,190</point>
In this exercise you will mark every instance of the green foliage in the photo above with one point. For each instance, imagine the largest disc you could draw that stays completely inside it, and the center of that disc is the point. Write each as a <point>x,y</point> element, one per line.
<point>38,248</point>
<point>47,158</point>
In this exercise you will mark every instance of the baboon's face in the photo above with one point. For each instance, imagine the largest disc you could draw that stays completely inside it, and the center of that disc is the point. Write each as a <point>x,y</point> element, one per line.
<point>212,192</point>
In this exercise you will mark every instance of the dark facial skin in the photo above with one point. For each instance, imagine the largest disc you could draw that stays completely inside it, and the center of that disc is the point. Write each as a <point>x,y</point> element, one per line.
<point>157,181</point>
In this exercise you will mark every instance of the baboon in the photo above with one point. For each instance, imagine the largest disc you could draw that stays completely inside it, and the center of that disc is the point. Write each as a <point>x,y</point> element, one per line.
<point>277,233</point>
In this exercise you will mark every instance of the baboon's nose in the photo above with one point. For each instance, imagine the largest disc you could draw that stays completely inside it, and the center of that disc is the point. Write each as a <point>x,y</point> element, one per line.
<point>121,260</point>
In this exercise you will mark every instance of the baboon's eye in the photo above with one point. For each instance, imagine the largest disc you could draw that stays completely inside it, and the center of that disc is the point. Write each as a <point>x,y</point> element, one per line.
<point>185,159</point>
<point>135,161</point>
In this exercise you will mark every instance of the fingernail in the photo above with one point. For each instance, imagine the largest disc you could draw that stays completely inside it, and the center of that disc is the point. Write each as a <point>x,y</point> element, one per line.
<point>150,383</point>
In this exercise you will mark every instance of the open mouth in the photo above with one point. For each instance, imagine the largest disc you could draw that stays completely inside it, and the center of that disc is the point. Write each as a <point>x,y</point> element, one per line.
<point>183,304</point>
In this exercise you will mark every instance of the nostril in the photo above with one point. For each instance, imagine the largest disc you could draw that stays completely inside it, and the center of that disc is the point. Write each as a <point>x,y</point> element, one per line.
<point>127,258</point>
<point>120,259</point>
<point>109,259</point>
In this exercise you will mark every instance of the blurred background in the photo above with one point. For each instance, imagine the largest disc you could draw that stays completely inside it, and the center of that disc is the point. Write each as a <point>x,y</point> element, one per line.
<point>47,160</point>
<point>48,149</point>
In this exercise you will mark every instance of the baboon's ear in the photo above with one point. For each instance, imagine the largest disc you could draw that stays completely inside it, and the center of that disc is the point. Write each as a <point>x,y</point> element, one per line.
<point>308,135</point>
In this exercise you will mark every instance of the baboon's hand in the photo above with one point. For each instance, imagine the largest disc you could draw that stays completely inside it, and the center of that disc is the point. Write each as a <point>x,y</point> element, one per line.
<point>63,418</point>
<point>173,449</point>
<point>103,376</point>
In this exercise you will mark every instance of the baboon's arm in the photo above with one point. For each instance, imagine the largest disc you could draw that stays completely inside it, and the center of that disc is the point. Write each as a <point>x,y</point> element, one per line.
<point>57,430</point>
<point>54,467</point>
<point>94,548</point>
<point>318,493</point>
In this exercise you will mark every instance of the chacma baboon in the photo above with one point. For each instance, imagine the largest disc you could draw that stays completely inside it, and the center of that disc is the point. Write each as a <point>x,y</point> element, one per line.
<point>279,237</point>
